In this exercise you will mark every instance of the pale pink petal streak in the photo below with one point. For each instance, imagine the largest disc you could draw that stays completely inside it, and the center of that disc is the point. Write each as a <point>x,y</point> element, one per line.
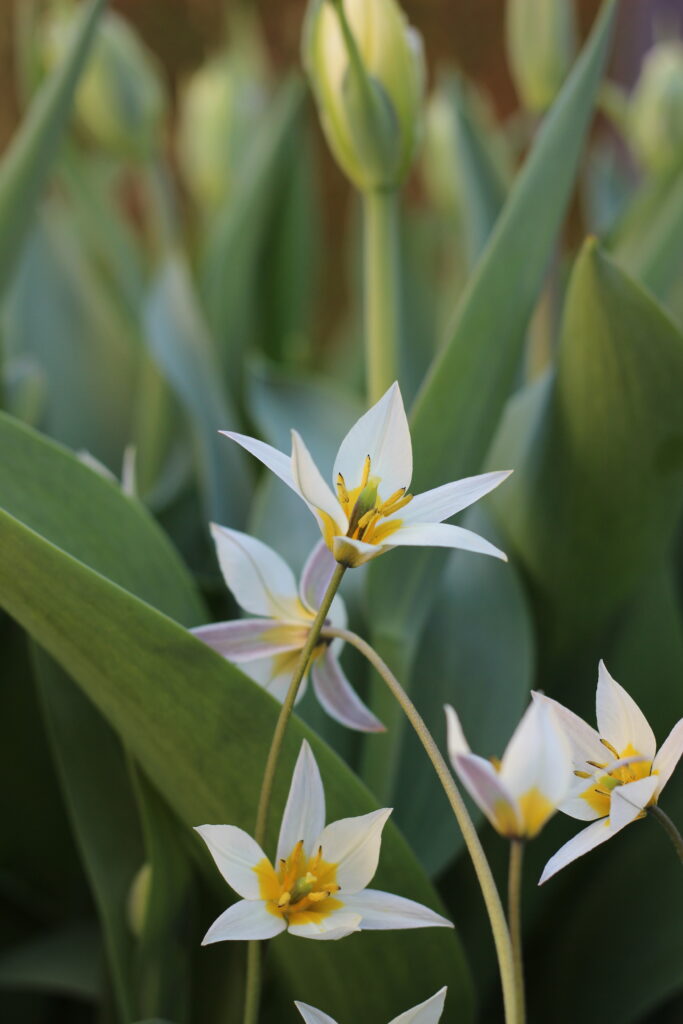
<point>249,639</point>
<point>338,697</point>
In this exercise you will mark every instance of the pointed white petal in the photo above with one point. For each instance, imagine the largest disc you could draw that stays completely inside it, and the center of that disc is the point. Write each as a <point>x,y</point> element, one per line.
<point>628,801</point>
<point>312,486</point>
<point>443,502</point>
<point>311,1015</point>
<point>586,840</point>
<point>584,741</point>
<point>236,855</point>
<point>353,553</point>
<point>428,1012</point>
<point>384,435</point>
<point>575,806</point>
<point>245,920</point>
<point>316,576</point>
<point>620,720</point>
<point>443,535</point>
<point>538,756</point>
<point>353,844</point>
<point>250,639</point>
<point>261,581</point>
<point>484,785</point>
<point>457,744</point>
<point>339,698</point>
<point>338,925</point>
<point>380,910</point>
<point>276,461</point>
<point>304,816</point>
<point>668,756</point>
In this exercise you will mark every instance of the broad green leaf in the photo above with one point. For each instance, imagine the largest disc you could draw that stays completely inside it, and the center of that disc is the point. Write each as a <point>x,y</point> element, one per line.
<point>596,492</point>
<point>64,961</point>
<point>200,731</point>
<point>27,162</point>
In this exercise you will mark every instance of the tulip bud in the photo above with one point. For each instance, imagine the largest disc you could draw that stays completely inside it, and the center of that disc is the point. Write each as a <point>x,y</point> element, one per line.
<point>138,899</point>
<point>656,106</point>
<point>541,44</point>
<point>369,87</point>
<point>120,100</point>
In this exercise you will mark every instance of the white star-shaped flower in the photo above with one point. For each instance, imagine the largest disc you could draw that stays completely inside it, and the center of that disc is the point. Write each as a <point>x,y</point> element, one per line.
<point>428,1012</point>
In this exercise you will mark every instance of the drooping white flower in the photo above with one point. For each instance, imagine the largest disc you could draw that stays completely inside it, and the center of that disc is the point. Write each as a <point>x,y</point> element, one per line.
<point>428,1012</point>
<point>521,791</point>
<point>369,510</point>
<point>617,771</point>
<point>267,648</point>
<point>317,887</point>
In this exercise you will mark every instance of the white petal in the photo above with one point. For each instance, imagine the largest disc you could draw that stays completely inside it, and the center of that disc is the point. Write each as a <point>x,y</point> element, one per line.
<point>575,806</point>
<point>304,816</point>
<point>538,756</point>
<point>353,844</point>
<point>249,639</point>
<point>620,720</point>
<point>261,581</point>
<point>628,801</point>
<point>584,741</point>
<point>443,535</point>
<point>236,855</point>
<point>313,1016</point>
<point>586,840</point>
<point>312,486</point>
<point>338,925</point>
<point>484,785</point>
<point>383,434</point>
<point>379,910</point>
<point>428,1012</point>
<point>668,756</point>
<point>443,502</point>
<point>457,744</point>
<point>353,553</point>
<point>247,919</point>
<point>316,575</point>
<point>275,460</point>
<point>275,674</point>
<point>339,698</point>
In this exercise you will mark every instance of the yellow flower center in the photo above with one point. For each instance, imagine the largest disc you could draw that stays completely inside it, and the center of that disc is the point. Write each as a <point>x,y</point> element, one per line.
<point>598,794</point>
<point>365,510</point>
<point>533,808</point>
<point>302,889</point>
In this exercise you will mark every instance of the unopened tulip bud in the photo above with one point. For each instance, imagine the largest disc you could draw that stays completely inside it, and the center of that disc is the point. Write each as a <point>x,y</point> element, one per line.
<point>138,899</point>
<point>120,100</point>
<point>366,66</point>
<point>541,43</point>
<point>656,107</point>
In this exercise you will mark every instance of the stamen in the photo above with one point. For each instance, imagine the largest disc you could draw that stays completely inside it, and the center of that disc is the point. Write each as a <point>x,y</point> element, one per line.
<point>394,497</point>
<point>366,472</point>
<point>341,490</point>
<point>367,518</point>
<point>609,746</point>
<point>602,792</point>
<point>583,775</point>
<point>597,764</point>
<point>284,899</point>
<point>389,507</point>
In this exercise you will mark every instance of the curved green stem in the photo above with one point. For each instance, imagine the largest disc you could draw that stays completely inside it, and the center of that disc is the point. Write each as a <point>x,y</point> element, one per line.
<point>515,918</point>
<point>382,290</point>
<point>667,824</point>
<point>253,979</point>
<point>501,936</point>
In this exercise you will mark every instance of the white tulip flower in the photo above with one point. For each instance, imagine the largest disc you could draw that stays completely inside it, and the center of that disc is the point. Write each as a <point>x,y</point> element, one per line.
<point>267,648</point>
<point>521,791</point>
<point>317,887</point>
<point>428,1012</point>
<point>369,510</point>
<point>618,772</point>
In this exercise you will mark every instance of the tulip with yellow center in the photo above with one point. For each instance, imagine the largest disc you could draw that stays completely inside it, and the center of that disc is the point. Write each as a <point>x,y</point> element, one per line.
<point>369,510</point>
<point>617,771</point>
<point>317,886</point>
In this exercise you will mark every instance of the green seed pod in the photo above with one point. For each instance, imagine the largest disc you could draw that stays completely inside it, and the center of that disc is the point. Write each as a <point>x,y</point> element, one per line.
<point>120,101</point>
<point>369,89</point>
<point>655,119</point>
<point>541,44</point>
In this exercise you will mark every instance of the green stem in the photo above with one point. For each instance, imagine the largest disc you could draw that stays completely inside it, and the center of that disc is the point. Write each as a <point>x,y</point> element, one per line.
<point>667,824</point>
<point>253,980</point>
<point>382,290</point>
<point>515,918</point>
<point>501,936</point>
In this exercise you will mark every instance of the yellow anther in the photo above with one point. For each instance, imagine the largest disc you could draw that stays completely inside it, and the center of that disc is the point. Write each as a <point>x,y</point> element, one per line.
<point>396,496</point>
<point>611,749</point>
<point>317,897</point>
<point>341,490</point>
<point>583,775</point>
<point>495,761</point>
<point>284,899</point>
<point>602,792</point>
<point>367,518</point>
<point>597,764</point>
<point>389,507</point>
<point>366,472</point>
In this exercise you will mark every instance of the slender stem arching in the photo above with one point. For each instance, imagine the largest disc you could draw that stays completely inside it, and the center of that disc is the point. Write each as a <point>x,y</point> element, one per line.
<point>382,290</point>
<point>499,927</point>
<point>515,918</point>
<point>253,978</point>
<point>667,824</point>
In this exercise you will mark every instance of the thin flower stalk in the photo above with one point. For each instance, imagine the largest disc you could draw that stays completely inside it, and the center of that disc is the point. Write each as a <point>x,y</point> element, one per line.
<point>515,917</point>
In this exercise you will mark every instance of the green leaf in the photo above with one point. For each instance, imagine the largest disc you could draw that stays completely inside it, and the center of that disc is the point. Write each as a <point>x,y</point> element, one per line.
<point>65,961</point>
<point>597,489</point>
<point>27,162</point>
